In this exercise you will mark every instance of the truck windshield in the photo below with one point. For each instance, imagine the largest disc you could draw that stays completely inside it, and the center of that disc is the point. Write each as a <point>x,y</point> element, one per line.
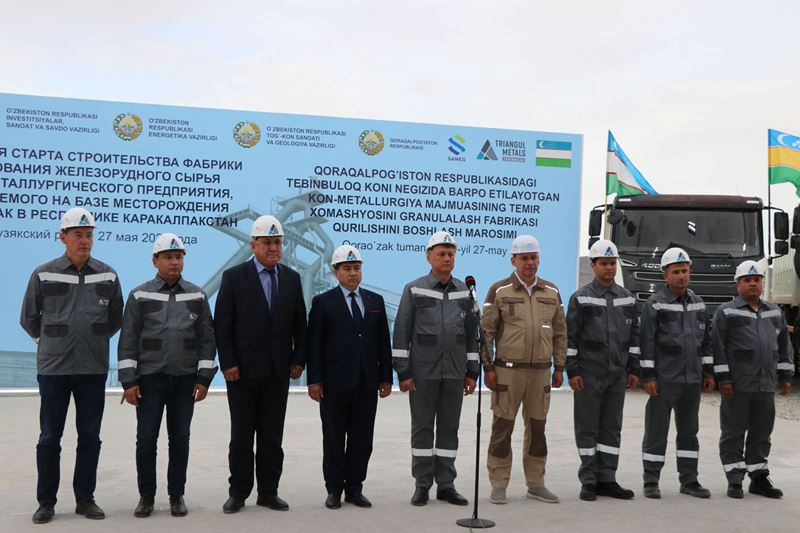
<point>729,234</point>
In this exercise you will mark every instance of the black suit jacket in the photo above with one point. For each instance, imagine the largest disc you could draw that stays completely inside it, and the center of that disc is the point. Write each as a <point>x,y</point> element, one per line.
<point>251,337</point>
<point>339,352</point>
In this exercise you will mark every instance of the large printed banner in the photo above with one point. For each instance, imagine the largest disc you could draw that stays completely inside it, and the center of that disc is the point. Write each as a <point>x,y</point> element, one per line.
<point>206,174</point>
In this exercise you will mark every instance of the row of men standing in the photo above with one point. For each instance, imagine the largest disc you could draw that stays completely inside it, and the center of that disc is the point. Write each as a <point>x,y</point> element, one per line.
<point>167,346</point>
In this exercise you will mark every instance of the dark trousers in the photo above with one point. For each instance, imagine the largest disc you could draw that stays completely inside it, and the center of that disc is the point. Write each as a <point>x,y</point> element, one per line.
<point>435,405</point>
<point>176,394</point>
<point>684,399</point>
<point>598,424</point>
<point>753,414</point>
<point>89,393</point>
<point>348,422</point>
<point>258,409</point>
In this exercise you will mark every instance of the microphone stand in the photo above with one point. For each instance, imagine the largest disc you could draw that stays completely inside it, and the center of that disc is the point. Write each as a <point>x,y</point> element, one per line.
<point>474,521</point>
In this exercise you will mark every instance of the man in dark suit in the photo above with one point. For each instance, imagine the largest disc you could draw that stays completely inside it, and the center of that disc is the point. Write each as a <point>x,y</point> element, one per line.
<point>260,329</point>
<point>349,360</point>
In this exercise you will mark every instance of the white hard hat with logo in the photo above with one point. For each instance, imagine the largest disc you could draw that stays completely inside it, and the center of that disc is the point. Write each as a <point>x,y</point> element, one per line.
<point>674,255</point>
<point>168,242</point>
<point>345,254</point>
<point>440,237</point>
<point>524,244</point>
<point>603,248</point>
<point>77,217</point>
<point>748,268</point>
<point>267,226</point>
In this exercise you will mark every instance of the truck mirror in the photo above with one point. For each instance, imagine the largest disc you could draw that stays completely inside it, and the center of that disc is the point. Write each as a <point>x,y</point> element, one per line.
<point>595,222</point>
<point>795,242</point>
<point>593,240</point>
<point>781,247</point>
<point>796,220</point>
<point>780,221</point>
<point>615,216</point>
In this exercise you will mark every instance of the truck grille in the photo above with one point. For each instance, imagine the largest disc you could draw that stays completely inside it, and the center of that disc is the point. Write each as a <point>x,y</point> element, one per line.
<point>696,278</point>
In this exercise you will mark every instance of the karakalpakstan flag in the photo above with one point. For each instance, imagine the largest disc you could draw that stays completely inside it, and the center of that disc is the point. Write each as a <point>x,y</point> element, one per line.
<point>622,177</point>
<point>784,159</point>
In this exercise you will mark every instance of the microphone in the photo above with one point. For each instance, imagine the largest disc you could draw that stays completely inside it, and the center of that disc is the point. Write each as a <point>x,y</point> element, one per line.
<point>470,282</point>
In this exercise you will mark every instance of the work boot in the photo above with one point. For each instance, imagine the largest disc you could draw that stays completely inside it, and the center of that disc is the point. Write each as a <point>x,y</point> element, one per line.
<point>651,490</point>
<point>451,495</point>
<point>735,491</point>
<point>763,486</point>
<point>89,509</point>
<point>177,507</point>
<point>145,507</point>
<point>498,495</point>
<point>695,489</point>
<point>588,493</point>
<point>541,494</point>
<point>44,513</point>
<point>613,490</point>
<point>420,497</point>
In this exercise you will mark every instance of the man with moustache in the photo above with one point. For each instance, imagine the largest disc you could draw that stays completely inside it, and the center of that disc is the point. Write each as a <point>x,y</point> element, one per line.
<point>751,348</point>
<point>602,359</point>
<point>260,329</point>
<point>435,354</point>
<point>676,364</point>
<point>71,308</point>
<point>349,365</point>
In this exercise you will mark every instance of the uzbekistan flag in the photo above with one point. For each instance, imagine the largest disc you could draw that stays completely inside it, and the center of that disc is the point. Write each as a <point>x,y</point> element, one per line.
<point>553,154</point>
<point>622,176</point>
<point>784,159</point>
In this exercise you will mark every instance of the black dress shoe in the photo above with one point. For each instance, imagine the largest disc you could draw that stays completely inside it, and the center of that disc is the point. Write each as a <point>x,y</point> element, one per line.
<point>232,505</point>
<point>44,513</point>
<point>274,502</point>
<point>89,509</point>
<point>420,497</point>
<point>358,499</point>
<point>588,493</point>
<point>451,495</point>
<point>613,490</point>
<point>177,507</point>
<point>145,507</point>
<point>334,500</point>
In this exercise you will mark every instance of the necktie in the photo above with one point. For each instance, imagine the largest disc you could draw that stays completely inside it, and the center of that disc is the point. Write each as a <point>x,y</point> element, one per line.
<point>273,292</point>
<point>355,309</point>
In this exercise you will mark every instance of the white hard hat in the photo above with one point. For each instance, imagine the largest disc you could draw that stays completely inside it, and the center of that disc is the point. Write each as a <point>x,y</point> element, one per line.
<point>524,244</point>
<point>266,226</point>
<point>345,254</point>
<point>674,255</point>
<point>603,248</point>
<point>440,237</point>
<point>168,242</point>
<point>77,217</point>
<point>748,268</point>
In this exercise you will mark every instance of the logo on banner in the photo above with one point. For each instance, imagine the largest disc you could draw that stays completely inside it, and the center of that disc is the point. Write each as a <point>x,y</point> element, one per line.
<point>456,148</point>
<point>370,142</point>
<point>487,152</point>
<point>127,126</point>
<point>246,134</point>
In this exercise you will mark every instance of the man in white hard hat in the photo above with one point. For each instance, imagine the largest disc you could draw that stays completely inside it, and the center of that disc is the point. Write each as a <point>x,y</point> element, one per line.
<point>71,308</point>
<point>260,329</point>
<point>523,323</point>
<point>751,349</point>
<point>349,366</point>
<point>602,360</point>
<point>165,360</point>
<point>435,354</point>
<point>676,362</point>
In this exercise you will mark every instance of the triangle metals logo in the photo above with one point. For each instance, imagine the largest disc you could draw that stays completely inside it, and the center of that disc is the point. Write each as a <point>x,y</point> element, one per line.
<point>753,270</point>
<point>447,238</point>
<point>609,253</point>
<point>174,245</point>
<point>273,230</point>
<point>681,258</point>
<point>487,152</point>
<point>84,221</point>
<point>351,256</point>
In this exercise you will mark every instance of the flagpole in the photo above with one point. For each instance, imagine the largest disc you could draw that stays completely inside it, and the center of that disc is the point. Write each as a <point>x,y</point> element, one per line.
<point>769,210</point>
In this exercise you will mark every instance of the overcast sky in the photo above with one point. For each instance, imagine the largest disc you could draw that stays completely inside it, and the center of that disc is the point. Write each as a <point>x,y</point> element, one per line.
<point>689,88</point>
